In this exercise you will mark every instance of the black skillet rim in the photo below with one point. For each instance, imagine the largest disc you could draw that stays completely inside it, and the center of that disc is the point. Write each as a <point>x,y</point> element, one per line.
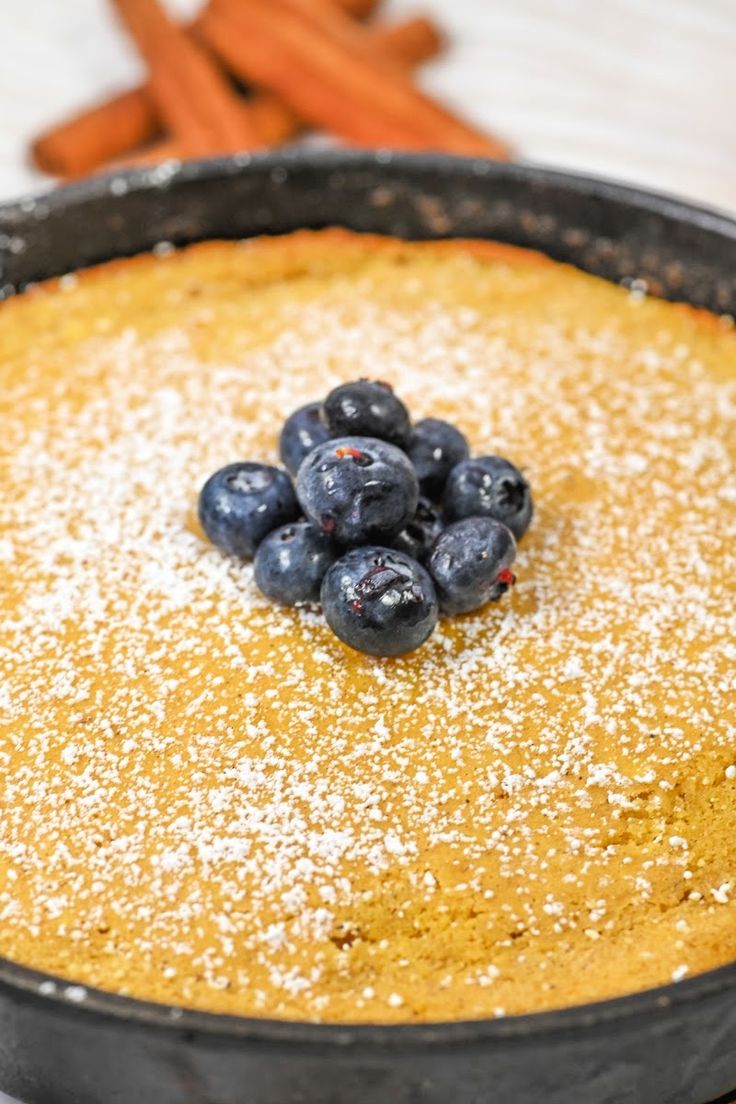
<point>35,988</point>
<point>22,215</point>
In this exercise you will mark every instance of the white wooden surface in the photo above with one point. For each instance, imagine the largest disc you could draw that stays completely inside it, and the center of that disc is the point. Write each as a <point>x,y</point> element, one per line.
<point>642,90</point>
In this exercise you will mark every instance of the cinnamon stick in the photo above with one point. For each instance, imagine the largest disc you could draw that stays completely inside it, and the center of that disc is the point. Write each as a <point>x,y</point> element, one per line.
<point>325,68</point>
<point>192,97</point>
<point>89,140</point>
<point>97,135</point>
<point>130,120</point>
<point>408,43</point>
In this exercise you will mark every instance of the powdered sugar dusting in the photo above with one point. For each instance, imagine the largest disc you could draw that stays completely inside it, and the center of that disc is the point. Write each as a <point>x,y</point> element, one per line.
<point>209,800</point>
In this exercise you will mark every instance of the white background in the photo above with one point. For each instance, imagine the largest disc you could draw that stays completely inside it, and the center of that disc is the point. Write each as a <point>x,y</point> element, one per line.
<point>643,90</point>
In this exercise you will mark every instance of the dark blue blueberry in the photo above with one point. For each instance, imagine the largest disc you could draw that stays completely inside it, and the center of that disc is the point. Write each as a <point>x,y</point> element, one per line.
<point>471,564</point>
<point>291,562</point>
<point>379,601</point>
<point>302,430</point>
<point>358,490</point>
<point>435,447</point>
<point>419,535</point>
<point>242,502</point>
<point>489,486</point>
<point>367,408</point>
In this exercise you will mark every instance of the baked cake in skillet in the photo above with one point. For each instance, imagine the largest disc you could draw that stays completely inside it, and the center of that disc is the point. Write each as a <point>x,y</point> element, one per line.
<point>209,800</point>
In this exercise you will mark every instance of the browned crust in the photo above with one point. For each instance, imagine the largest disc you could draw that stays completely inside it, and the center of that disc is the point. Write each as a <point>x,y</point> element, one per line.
<point>300,246</point>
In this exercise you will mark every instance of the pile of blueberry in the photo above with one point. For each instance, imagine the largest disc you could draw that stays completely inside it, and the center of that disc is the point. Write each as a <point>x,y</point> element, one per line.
<point>386,524</point>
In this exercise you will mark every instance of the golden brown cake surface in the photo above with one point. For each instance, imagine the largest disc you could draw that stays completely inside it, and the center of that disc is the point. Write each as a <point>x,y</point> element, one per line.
<point>208,800</point>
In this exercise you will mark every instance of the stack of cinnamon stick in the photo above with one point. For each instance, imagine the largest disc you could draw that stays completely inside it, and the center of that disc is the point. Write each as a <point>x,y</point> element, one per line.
<point>253,74</point>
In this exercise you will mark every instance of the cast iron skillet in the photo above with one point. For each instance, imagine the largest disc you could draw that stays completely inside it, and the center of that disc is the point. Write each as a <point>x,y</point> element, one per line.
<point>674,1045</point>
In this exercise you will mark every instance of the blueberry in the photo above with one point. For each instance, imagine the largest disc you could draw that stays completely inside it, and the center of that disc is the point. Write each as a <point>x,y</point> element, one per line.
<point>242,502</point>
<point>291,562</point>
<point>379,601</point>
<point>435,447</point>
<point>358,490</point>
<point>301,431</point>
<point>419,535</point>
<point>367,409</point>
<point>471,564</point>
<point>489,486</point>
